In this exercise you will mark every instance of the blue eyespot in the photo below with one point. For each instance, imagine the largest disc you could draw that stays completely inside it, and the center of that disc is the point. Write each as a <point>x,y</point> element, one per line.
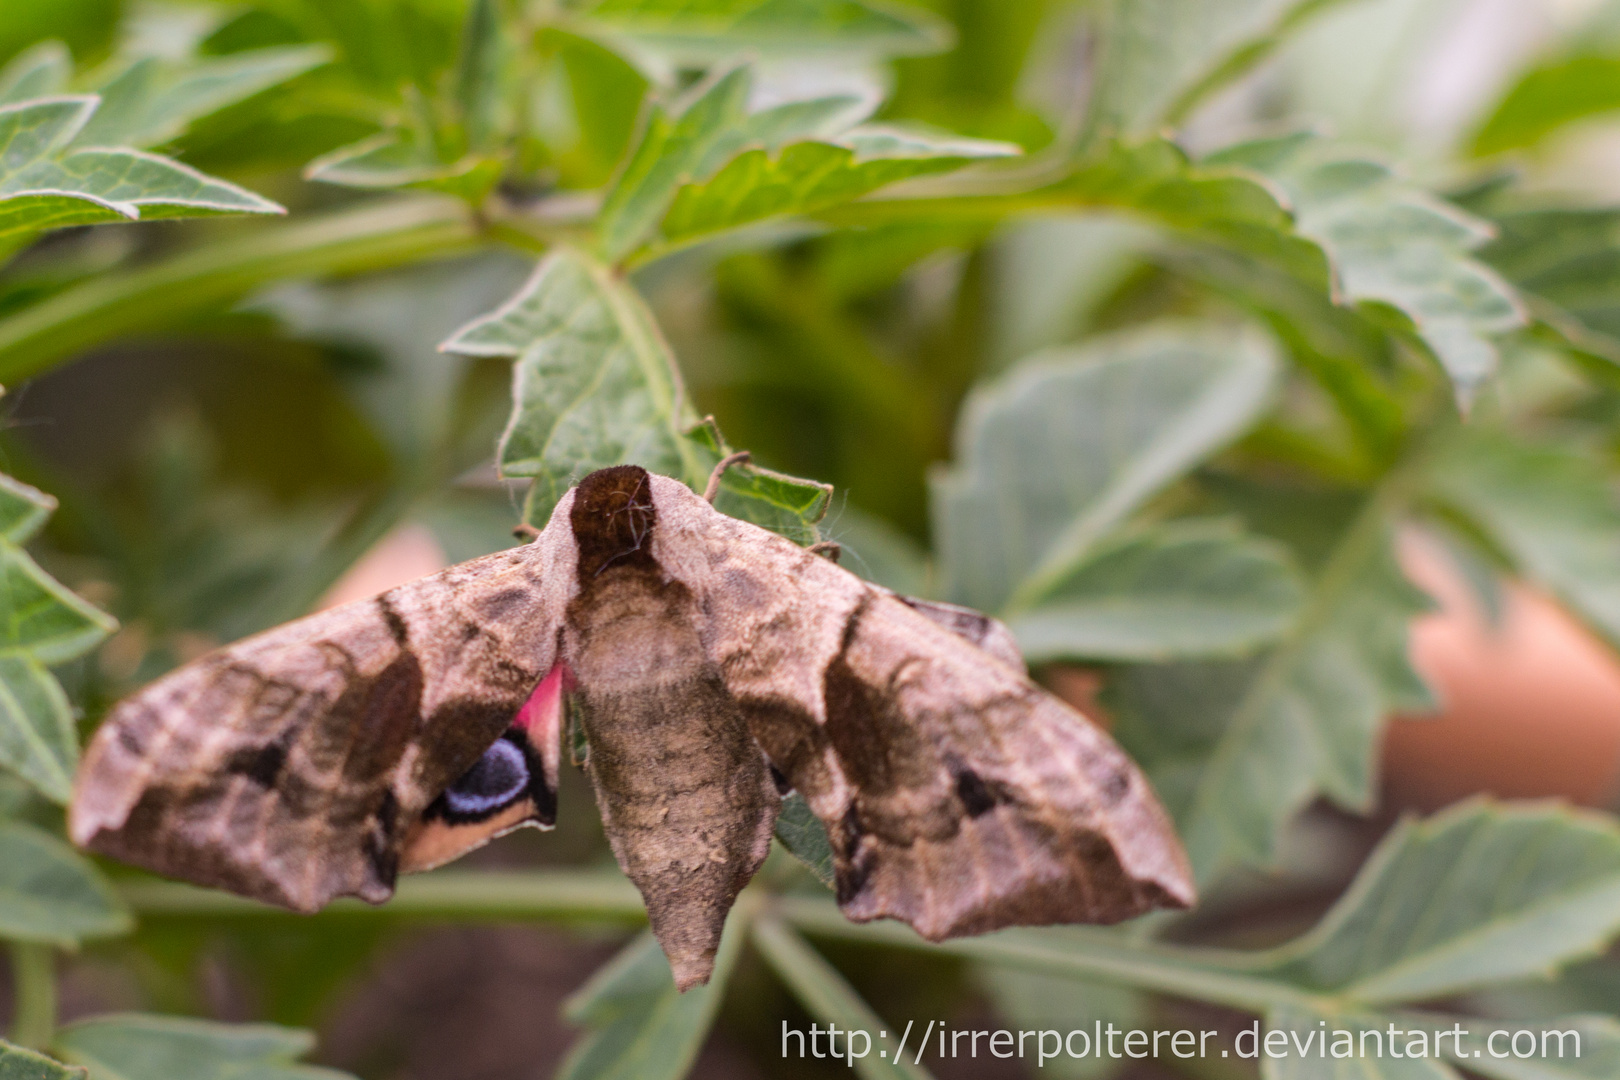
<point>497,778</point>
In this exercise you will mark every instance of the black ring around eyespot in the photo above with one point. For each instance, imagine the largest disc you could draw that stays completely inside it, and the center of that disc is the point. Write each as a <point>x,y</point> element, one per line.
<point>502,776</point>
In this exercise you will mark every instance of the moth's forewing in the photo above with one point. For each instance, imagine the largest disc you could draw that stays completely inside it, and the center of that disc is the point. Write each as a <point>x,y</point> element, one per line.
<point>959,796</point>
<point>686,796</point>
<point>291,766</point>
<point>990,635</point>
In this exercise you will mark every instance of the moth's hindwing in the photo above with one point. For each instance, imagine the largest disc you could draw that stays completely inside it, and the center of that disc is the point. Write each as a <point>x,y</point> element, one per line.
<point>513,784</point>
<point>297,765</point>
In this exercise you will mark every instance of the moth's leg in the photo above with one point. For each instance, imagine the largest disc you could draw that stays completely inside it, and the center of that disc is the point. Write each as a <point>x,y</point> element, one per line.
<point>525,531</point>
<point>827,549</point>
<point>712,489</point>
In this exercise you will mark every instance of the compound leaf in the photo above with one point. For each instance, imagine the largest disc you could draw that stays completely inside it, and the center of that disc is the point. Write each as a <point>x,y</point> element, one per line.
<point>41,623</point>
<point>1393,244</point>
<point>1125,416</point>
<point>50,893</point>
<point>639,1027</point>
<point>133,1046</point>
<point>47,184</point>
<point>1186,588</point>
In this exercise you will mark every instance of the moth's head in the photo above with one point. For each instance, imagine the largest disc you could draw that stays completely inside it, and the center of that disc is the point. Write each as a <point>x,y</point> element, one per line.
<point>613,518</point>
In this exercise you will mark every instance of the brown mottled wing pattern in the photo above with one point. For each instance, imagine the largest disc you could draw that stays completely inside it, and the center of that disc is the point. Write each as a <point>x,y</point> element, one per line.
<point>959,796</point>
<point>290,766</point>
<point>990,635</point>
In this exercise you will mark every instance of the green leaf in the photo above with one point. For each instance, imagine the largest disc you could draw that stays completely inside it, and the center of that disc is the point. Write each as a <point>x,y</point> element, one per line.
<point>19,1064</point>
<point>593,383</point>
<point>1154,180</point>
<point>23,510</point>
<point>132,1046</point>
<point>604,93</point>
<point>36,72</point>
<point>1479,894</point>
<point>690,139</point>
<point>1124,417</point>
<point>1236,750</point>
<point>399,159</point>
<point>45,185</point>
<point>37,737</point>
<point>1551,509</point>
<point>1157,58</point>
<point>41,623</point>
<point>479,70</point>
<point>1546,98</point>
<point>1028,1001</point>
<point>827,997</point>
<point>772,500</point>
<point>39,617</point>
<point>695,33</point>
<point>640,1026</point>
<point>802,177</point>
<point>1570,260</point>
<point>1305,1026</point>
<point>51,894</point>
<point>1188,588</point>
<point>805,837</point>
<point>152,101</point>
<point>1598,1045</point>
<point>595,386</point>
<point>1394,244</point>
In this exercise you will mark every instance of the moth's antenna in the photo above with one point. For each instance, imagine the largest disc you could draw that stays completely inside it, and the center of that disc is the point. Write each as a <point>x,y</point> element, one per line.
<point>713,489</point>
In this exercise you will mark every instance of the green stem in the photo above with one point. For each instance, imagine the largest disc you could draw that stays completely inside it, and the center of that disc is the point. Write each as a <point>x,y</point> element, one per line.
<point>204,278</point>
<point>1211,975</point>
<point>825,994</point>
<point>1243,59</point>
<point>1224,977</point>
<point>33,971</point>
<point>570,895</point>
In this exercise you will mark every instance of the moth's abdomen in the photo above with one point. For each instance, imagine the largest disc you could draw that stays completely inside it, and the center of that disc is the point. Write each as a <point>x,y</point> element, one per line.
<point>686,796</point>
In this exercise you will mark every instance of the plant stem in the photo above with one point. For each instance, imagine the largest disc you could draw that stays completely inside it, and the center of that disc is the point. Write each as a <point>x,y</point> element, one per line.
<point>206,277</point>
<point>540,894</point>
<point>1212,975</point>
<point>33,972</point>
<point>824,993</point>
<point>1224,977</point>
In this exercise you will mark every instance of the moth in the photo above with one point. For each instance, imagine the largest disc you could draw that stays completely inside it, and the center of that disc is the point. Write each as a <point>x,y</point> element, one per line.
<point>715,666</point>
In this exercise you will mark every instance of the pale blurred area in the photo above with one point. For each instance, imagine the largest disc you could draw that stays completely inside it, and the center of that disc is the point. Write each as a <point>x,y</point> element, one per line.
<point>1529,698</point>
<point>1417,77</point>
<point>409,552</point>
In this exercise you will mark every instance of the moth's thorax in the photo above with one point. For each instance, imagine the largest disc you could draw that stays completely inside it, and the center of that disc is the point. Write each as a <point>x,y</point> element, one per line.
<point>630,625</point>
<point>613,519</point>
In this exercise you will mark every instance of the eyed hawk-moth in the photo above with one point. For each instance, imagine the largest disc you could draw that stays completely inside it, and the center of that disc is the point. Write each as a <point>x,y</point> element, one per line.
<point>715,665</point>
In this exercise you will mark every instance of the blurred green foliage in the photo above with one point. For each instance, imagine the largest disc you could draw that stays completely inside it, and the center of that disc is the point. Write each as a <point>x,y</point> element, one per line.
<point>1053,335</point>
